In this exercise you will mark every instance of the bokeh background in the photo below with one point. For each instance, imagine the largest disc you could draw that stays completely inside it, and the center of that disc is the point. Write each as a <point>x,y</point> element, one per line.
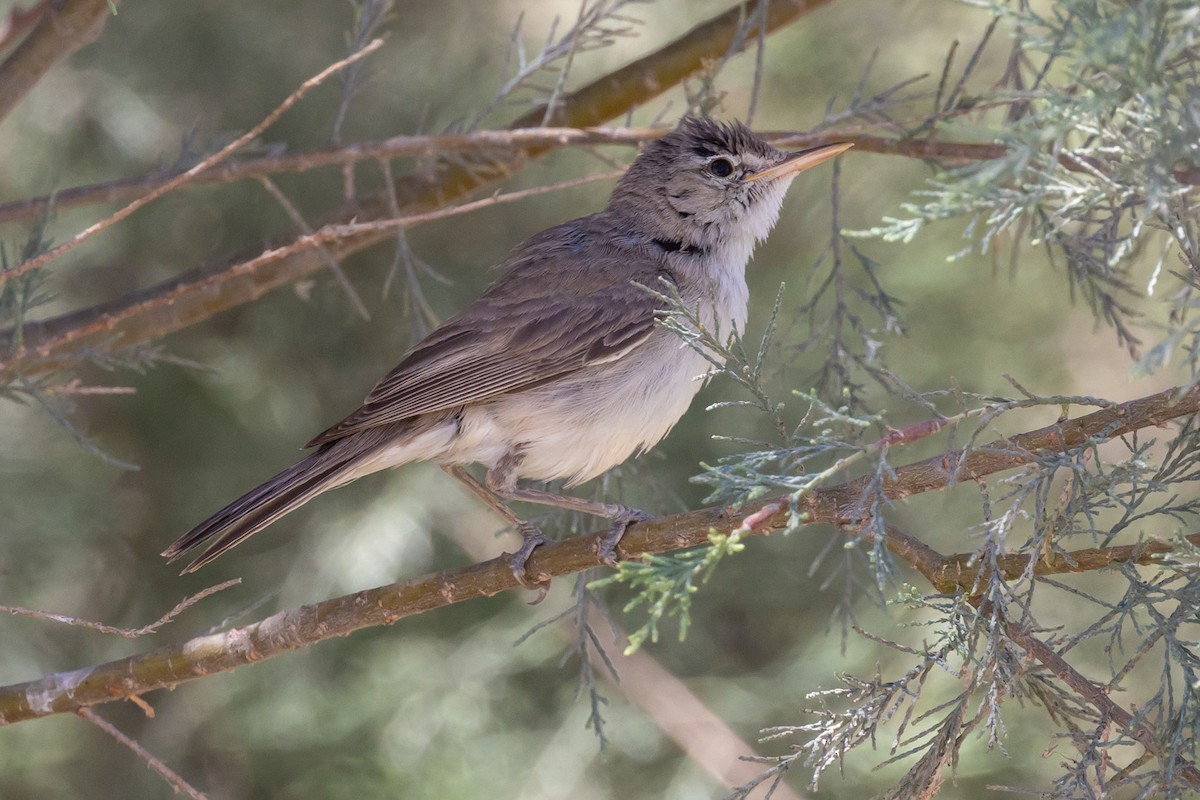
<point>443,705</point>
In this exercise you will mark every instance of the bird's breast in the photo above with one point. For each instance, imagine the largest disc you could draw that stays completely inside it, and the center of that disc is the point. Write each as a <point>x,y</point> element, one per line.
<point>582,425</point>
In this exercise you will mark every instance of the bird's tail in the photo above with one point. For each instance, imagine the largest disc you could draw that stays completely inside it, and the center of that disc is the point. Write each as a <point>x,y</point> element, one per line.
<point>262,505</point>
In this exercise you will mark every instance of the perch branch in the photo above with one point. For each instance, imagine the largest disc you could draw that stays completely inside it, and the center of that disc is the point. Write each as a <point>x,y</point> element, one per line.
<point>291,629</point>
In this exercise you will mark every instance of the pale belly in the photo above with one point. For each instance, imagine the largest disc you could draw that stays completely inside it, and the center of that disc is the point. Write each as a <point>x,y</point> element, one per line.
<point>578,428</point>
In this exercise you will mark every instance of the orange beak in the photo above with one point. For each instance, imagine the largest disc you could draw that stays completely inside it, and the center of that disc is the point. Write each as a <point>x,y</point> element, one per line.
<point>800,161</point>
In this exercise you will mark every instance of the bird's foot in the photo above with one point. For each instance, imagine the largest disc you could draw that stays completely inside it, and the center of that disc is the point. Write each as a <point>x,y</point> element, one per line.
<point>607,549</point>
<point>532,539</point>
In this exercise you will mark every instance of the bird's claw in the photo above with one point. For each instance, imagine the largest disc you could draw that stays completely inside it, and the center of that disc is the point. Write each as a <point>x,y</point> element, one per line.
<point>607,547</point>
<point>532,539</point>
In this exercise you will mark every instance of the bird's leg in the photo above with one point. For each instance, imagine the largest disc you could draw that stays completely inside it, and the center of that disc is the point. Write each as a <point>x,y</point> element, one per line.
<point>530,535</point>
<point>502,480</point>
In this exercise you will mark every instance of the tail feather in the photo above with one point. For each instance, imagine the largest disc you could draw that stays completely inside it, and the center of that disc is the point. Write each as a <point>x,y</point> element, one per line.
<point>261,506</point>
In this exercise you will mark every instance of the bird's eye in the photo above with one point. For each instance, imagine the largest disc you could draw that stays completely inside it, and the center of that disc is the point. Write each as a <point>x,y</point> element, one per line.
<point>721,167</point>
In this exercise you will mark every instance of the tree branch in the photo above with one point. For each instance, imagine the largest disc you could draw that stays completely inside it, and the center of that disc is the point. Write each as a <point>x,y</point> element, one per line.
<point>1095,695</point>
<point>172,777</point>
<point>63,29</point>
<point>476,143</point>
<point>295,628</point>
<point>184,177</point>
<point>489,142</point>
<point>960,571</point>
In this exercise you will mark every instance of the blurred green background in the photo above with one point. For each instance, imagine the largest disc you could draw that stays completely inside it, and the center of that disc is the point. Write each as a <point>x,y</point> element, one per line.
<point>442,705</point>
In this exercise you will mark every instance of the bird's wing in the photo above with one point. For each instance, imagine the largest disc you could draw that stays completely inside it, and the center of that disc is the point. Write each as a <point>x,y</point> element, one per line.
<point>506,343</point>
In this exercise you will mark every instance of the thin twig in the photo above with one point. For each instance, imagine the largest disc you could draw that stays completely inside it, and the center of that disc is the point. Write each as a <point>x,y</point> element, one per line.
<point>335,232</point>
<point>128,633</point>
<point>169,775</point>
<point>180,180</point>
<point>418,146</point>
<point>948,152</point>
<point>334,267</point>
<point>74,338</point>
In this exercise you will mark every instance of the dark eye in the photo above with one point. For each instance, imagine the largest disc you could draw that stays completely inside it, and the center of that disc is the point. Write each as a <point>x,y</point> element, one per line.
<point>721,167</point>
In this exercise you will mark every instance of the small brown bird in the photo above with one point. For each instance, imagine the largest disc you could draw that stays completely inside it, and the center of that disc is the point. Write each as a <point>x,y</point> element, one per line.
<point>560,369</point>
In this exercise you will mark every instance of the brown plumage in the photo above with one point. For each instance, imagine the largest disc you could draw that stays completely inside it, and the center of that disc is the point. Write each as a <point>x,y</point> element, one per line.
<point>559,369</point>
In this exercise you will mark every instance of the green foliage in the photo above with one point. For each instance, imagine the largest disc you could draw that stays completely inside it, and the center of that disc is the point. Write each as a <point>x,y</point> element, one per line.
<point>1098,117</point>
<point>665,584</point>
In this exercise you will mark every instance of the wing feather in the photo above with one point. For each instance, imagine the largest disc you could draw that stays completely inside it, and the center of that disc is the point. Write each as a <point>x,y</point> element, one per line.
<point>505,343</point>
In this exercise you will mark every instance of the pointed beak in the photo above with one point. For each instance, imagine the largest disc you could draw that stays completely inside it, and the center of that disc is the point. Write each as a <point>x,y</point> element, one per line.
<point>800,161</point>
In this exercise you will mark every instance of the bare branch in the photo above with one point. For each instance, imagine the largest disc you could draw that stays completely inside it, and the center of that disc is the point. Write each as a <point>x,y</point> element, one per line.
<point>129,633</point>
<point>169,775</point>
<point>304,626</point>
<point>63,29</point>
<point>300,222</point>
<point>216,158</point>
<point>477,142</point>
<point>96,332</point>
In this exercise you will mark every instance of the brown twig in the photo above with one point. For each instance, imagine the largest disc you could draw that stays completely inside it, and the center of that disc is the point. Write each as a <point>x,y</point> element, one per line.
<point>304,626</point>
<point>476,143</point>
<point>63,29</point>
<point>1095,695</point>
<point>151,313</point>
<point>97,331</point>
<point>129,633</point>
<point>300,222</point>
<point>184,177</point>
<point>949,153</point>
<point>960,571</point>
<point>169,775</point>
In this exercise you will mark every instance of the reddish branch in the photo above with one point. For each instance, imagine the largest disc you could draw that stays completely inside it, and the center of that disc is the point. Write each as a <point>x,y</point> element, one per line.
<point>837,505</point>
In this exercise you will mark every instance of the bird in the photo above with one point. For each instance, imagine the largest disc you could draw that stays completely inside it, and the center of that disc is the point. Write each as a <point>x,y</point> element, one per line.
<point>562,368</point>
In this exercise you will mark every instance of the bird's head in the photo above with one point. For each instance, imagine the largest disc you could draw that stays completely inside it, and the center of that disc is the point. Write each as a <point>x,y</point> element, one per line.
<point>708,182</point>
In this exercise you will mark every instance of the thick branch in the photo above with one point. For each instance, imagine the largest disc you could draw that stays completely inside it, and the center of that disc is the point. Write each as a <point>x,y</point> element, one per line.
<point>148,314</point>
<point>295,628</point>
<point>64,28</point>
